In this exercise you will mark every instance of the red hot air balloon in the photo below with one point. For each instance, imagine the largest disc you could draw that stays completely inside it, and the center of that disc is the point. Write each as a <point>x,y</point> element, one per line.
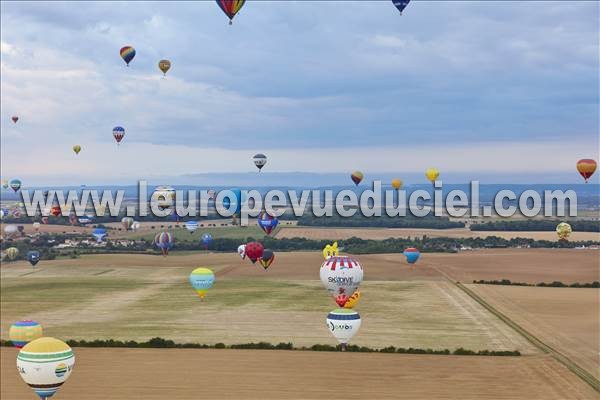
<point>230,7</point>
<point>586,168</point>
<point>56,211</point>
<point>254,251</point>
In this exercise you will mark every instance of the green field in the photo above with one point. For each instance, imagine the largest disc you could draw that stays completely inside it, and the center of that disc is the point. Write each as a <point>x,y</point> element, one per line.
<point>183,235</point>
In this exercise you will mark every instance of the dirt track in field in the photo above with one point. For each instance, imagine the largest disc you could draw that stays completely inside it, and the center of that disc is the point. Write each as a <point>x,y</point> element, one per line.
<point>123,374</point>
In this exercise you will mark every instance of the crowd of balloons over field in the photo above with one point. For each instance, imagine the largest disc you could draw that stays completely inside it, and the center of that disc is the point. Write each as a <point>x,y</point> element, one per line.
<point>45,363</point>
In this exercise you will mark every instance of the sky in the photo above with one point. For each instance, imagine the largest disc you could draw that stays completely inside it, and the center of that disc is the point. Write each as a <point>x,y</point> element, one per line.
<point>499,91</point>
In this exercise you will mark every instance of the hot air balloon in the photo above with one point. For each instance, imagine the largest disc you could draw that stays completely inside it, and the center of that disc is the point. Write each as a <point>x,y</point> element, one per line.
<point>10,230</point>
<point>191,226</point>
<point>56,211</point>
<point>127,223</point>
<point>586,168</point>
<point>73,219</point>
<point>343,324</point>
<point>23,332</point>
<point>331,250</point>
<point>135,226</point>
<point>45,364</point>
<point>36,226</point>
<point>412,255</point>
<point>164,241</point>
<point>15,184</point>
<point>206,240</point>
<point>260,160</point>
<point>164,66</point>
<point>432,174</point>
<point>254,251</point>
<point>267,258</point>
<point>99,234</point>
<point>165,197</point>
<point>44,220</point>
<point>14,119</point>
<point>4,183</point>
<point>118,133</point>
<point>357,177</point>
<point>267,222</point>
<point>341,275</point>
<point>12,253</point>
<point>21,229</point>
<point>127,54</point>
<point>230,7</point>
<point>33,257</point>
<point>352,301</point>
<point>400,4</point>
<point>201,280</point>
<point>242,251</point>
<point>563,230</point>
<point>77,149</point>
<point>4,212</point>
<point>396,184</point>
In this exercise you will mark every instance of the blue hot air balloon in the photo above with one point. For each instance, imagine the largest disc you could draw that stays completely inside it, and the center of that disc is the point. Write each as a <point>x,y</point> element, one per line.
<point>191,226</point>
<point>99,234</point>
<point>33,257</point>
<point>267,222</point>
<point>412,255</point>
<point>164,241</point>
<point>400,4</point>
<point>15,184</point>
<point>206,240</point>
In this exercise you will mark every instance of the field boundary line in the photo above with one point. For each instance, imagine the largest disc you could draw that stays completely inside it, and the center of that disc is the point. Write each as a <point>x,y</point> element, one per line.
<point>566,361</point>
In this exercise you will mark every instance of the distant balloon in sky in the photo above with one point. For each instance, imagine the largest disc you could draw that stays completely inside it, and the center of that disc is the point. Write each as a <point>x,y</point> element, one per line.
<point>230,7</point>
<point>23,332</point>
<point>33,257</point>
<point>15,184</point>
<point>14,119</point>
<point>201,280</point>
<point>396,184</point>
<point>412,255</point>
<point>45,364</point>
<point>164,66</point>
<point>77,149</point>
<point>432,174</point>
<point>586,167</point>
<point>118,133</point>
<point>343,324</point>
<point>357,177</point>
<point>127,54</point>
<point>260,160</point>
<point>400,4</point>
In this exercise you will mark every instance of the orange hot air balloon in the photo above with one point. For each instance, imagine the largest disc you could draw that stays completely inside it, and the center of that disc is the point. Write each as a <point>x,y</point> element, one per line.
<point>586,168</point>
<point>396,184</point>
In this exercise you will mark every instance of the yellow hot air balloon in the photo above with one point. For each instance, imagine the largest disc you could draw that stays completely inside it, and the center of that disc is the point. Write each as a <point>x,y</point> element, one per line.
<point>164,66</point>
<point>563,230</point>
<point>77,149</point>
<point>396,183</point>
<point>353,300</point>
<point>432,174</point>
<point>12,253</point>
<point>331,250</point>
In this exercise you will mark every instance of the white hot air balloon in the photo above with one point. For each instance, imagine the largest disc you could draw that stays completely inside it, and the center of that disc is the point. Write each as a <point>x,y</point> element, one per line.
<point>45,364</point>
<point>191,226</point>
<point>343,323</point>
<point>135,226</point>
<point>242,251</point>
<point>260,160</point>
<point>341,275</point>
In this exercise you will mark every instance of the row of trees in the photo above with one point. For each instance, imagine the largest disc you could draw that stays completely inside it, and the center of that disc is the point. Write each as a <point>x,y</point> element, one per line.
<point>536,225</point>
<point>508,282</point>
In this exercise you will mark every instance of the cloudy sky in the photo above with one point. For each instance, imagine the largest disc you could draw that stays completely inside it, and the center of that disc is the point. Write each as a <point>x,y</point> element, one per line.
<point>505,90</point>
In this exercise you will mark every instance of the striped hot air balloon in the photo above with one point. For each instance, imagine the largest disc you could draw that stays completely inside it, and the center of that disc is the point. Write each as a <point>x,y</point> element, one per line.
<point>45,364</point>
<point>341,275</point>
<point>586,168</point>
<point>127,53</point>
<point>201,280</point>
<point>12,253</point>
<point>118,133</point>
<point>357,177</point>
<point>412,255</point>
<point>164,241</point>
<point>23,332</point>
<point>230,7</point>
<point>267,222</point>
<point>191,226</point>
<point>343,323</point>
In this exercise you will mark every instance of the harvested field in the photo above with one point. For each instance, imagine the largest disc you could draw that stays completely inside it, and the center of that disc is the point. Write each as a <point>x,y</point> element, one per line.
<point>385,233</point>
<point>254,374</point>
<point>566,319</point>
<point>141,296</point>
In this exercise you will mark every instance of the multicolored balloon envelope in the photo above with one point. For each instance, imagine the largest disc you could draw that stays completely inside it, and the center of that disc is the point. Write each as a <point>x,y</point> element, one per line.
<point>586,168</point>
<point>206,239</point>
<point>127,223</point>
<point>343,324</point>
<point>33,257</point>
<point>164,241</point>
<point>99,234</point>
<point>201,280</point>
<point>412,255</point>
<point>357,177</point>
<point>563,230</point>
<point>118,133</point>
<point>127,53</point>
<point>45,364</point>
<point>191,226</point>
<point>341,275</point>
<point>230,7</point>
<point>267,222</point>
<point>12,253</point>
<point>23,332</point>
<point>267,258</point>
